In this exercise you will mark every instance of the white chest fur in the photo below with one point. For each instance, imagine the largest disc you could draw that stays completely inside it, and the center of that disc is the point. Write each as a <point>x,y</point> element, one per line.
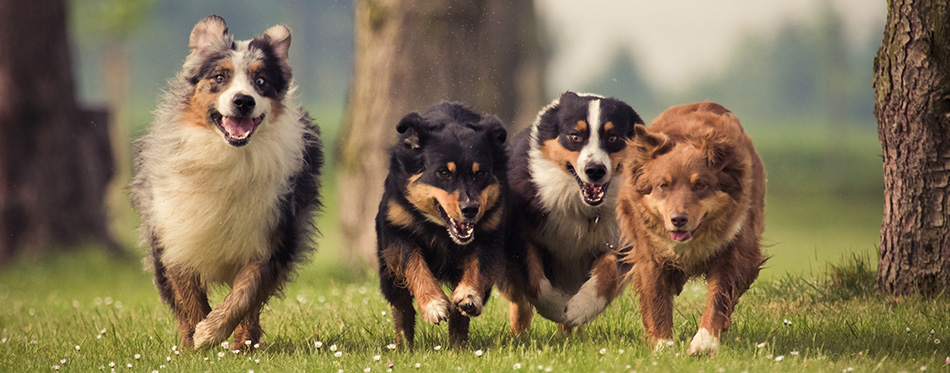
<point>215,207</point>
<point>572,228</point>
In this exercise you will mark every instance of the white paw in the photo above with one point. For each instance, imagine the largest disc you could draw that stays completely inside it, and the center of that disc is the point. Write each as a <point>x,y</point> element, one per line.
<point>704,343</point>
<point>207,335</point>
<point>551,302</point>
<point>585,305</point>
<point>467,301</point>
<point>662,344</point>
<point>435,311</point>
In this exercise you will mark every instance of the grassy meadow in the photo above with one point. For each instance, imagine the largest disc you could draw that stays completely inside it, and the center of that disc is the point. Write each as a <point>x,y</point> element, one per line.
<point>83,311</point>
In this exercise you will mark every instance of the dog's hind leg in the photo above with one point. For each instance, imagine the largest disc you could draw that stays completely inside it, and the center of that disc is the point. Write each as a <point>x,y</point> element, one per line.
<point>404,315</point>
<point>190,303</point>
<point>252,286</point>
<point>458,328</point>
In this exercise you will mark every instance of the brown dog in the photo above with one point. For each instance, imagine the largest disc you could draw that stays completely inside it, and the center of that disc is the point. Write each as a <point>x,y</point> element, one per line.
<point>692,203</point>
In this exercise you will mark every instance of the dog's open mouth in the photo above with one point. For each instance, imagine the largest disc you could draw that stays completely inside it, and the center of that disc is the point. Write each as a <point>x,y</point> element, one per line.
<point>236,130</point>
<point>462,232</point>
<point>593,193</point>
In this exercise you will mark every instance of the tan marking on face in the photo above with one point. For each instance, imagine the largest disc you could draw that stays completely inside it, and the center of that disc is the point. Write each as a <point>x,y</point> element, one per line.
<point>398,215</point>
<point>196,113</point>
<point>421,195</point>
<point>554,152</point>
<point>475,167</point>
<point>581,126</point>
<point>694,178</point>
<point>451,167</point>
<point>608,126</point>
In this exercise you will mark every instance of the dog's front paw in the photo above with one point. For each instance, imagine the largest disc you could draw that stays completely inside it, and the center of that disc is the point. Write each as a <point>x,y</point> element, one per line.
<point>551,302</point>
<point>585,305</point>
<point>435,311</point>
<point>207,334</point>
<point>467,301</point>
<point>704,343</point>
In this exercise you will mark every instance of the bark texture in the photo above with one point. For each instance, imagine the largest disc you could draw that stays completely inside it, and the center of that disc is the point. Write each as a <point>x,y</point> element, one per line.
<point>912,105</point>
<point>411,54</point>
<point>55,161</point>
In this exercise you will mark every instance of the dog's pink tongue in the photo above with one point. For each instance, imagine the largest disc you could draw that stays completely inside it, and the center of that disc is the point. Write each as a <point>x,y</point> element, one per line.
<point>679,235</point>
<point>238,127</point>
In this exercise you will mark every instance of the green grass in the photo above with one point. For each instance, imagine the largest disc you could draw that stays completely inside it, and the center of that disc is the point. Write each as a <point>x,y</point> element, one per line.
<point>112,312</point>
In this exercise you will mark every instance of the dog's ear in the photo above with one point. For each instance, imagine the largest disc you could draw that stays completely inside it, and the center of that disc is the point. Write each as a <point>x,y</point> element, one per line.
<point>721,157</point>
<point>410,130</point>
<point>496,131</point>
<point>206,33</point>
<point>640,183</point>
<point>279,39</point>
<point>646,145</point>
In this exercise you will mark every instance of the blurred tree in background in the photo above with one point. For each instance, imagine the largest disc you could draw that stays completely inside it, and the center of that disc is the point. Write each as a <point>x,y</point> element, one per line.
<point>55,162</point>
<point>412,54</point>
<point>912,83</point>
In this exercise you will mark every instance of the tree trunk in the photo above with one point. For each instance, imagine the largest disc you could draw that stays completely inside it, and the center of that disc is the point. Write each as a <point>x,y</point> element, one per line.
<point>54,158</point>
<point>411,54</point>
<point>912,107</point>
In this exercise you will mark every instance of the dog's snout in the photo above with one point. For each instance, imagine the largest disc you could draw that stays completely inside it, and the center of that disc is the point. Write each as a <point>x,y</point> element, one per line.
<point>470,211</point>
<point>243,103</point>
<point>679,219</point>
<point>595,172</point>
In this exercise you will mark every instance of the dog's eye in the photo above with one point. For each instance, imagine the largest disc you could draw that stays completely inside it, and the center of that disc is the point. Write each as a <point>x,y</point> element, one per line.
<point>445,174</point>
<point>260,82</point>
<point>699,185</point>
<point>612,139</point>
<point>219,78</point>
<point>664,185</point>
<point>574,137</point>
<point>480,174</point>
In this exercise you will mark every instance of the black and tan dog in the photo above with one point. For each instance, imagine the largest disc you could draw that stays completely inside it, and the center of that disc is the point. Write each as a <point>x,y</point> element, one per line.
<point>562,250</point>
<point>441,218</point>
<point>226,182</point>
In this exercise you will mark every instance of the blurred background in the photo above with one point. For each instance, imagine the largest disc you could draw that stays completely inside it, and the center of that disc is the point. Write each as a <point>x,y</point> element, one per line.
<point>797,73</point>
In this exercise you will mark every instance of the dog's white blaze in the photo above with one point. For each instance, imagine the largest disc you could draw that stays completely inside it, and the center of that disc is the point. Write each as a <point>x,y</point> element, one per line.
<point>703,342</point>
<point>214,206</point>
<point>586,304</point>
<point>243,84</point>
<point>592,152</point>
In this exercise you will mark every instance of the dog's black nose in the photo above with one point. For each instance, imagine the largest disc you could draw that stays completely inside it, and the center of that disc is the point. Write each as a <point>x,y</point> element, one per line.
<point>470,211</point>
<point>595,172</point>
<point>679,219</point>
<point>243,103</point>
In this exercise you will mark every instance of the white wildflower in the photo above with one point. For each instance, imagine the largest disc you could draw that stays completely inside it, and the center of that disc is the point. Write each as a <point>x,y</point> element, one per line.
<point>333,347</point>
<point>318,344</point>
<point>338,353</point>
<point>377,357</point>
<point>479,353</point>
<point>518,366</point>
<point>391,346</point>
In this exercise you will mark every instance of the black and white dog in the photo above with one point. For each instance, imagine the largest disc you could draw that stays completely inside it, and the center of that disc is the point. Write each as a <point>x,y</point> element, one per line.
<point>226,182</point>
<point>563,249</point>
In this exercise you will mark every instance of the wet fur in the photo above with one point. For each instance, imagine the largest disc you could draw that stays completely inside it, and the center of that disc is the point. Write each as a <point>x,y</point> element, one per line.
<point>697,161</point>
<point>561,251</point>
<point>435,166</point>
<point>218,213</point>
